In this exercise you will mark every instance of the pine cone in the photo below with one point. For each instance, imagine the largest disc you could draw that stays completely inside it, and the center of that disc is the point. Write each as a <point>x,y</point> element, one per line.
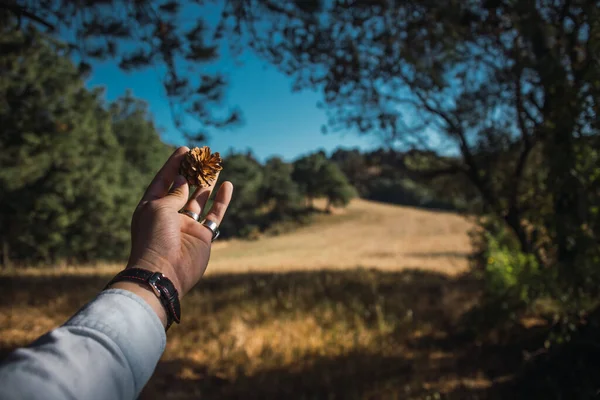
<point>200,167</point>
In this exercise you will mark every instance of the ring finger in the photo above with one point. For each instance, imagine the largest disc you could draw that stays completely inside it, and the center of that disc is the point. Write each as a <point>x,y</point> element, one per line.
<point>198,200</point>
<point>216,213</point>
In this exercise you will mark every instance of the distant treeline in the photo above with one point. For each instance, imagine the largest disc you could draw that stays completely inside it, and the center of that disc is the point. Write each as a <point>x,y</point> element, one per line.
<point>388,176</point>
<point>277,195</point>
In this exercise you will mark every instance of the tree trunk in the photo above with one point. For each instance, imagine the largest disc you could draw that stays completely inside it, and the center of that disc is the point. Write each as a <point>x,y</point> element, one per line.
<point>561,182</point>
<point>513,220</point>
<point>5,253</point>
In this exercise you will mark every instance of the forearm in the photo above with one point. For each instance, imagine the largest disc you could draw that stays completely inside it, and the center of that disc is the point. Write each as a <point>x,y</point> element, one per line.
<point>108,350</point>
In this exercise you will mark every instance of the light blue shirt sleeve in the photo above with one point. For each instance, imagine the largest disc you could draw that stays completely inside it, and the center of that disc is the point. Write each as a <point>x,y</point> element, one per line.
<point>108,350</point>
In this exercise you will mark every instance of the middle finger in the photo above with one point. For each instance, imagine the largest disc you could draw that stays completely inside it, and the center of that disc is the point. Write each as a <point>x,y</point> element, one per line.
<point>198,200</point>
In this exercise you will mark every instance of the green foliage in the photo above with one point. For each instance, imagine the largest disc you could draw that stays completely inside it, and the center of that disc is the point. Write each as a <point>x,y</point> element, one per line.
<point>307,172</point>
<point>336,187</point>
<point>392,177</point>
<point>317,177</point>
<point>587,235</point>
<point>269,198</point>
<point>511,273</point>
<point>278,187</point>
<point>243,212</point>
<point>133,126</point>
<point>68,182</point>
<point>355,165</point>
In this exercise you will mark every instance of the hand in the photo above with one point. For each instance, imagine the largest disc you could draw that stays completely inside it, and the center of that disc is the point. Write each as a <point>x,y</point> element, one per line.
<point>168,242</point>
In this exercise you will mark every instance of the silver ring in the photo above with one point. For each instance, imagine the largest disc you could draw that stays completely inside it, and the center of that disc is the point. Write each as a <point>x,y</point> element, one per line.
<point>214,228</point>
<point>190,214</point>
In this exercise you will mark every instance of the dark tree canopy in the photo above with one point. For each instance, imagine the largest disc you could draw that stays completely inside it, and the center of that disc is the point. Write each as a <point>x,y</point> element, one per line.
<point>139,35</point>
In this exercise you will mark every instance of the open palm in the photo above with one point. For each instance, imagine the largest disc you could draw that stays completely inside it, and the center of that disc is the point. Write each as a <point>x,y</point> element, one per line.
<point>166,241</point>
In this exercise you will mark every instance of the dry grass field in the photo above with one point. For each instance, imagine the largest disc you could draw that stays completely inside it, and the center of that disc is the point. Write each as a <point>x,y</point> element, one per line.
<point>366,234</point>
<point>365,303</point>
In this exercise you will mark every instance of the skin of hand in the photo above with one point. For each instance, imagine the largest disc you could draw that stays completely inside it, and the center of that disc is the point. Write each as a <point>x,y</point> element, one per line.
<point>163,240</point>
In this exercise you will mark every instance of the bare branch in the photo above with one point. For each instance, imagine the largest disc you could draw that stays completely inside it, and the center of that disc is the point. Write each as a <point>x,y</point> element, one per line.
<point>525,134</point>
<point>22,12</point>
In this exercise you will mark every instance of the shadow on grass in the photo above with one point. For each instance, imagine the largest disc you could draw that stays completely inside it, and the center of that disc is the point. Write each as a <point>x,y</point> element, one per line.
<point>39,291</point>
<point>418,345</point>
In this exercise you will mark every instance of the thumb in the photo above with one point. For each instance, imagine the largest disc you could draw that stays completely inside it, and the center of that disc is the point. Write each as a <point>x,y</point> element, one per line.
<point>178,194</point>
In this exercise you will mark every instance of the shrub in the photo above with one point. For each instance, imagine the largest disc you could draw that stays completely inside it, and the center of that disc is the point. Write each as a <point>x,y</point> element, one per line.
<point>510,273</point>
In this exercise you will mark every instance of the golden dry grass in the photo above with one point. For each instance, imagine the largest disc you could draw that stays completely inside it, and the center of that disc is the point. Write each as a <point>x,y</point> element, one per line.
<point>365,303</point>
<point>365,234</point>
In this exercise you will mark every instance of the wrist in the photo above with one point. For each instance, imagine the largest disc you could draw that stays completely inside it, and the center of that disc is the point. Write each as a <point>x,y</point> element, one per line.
<point>147,295</point>
<point>152,261</point>
<point>150,284</point>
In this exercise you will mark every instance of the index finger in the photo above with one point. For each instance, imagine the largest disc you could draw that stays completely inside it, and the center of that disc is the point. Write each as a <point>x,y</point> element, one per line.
<point>161,183</point>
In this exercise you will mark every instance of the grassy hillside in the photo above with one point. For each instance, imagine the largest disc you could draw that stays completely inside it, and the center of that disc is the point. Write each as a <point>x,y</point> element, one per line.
<point>366,234</point>
<point>365,303</point>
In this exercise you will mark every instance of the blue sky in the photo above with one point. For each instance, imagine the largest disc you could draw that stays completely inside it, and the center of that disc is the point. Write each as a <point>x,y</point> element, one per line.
<point>277,121</point>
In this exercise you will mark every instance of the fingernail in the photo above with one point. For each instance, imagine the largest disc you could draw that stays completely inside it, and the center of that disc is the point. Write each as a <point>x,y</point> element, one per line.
<point>178,182</point>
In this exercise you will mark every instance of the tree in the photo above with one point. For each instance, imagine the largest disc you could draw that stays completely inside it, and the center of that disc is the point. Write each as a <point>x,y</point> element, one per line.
<point>138,35</point>
<point>278,187</point>
<point>335,186</point>
<point>355,167</point>
<point>306,174</point>
<point>512,87</point>
<point>143,154</point>
<point>243,212</point>
<point>137,134</point>
<point>71,169</point>
<point>318,177</point>
<point>140,142</point>
<point>60,162</point>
